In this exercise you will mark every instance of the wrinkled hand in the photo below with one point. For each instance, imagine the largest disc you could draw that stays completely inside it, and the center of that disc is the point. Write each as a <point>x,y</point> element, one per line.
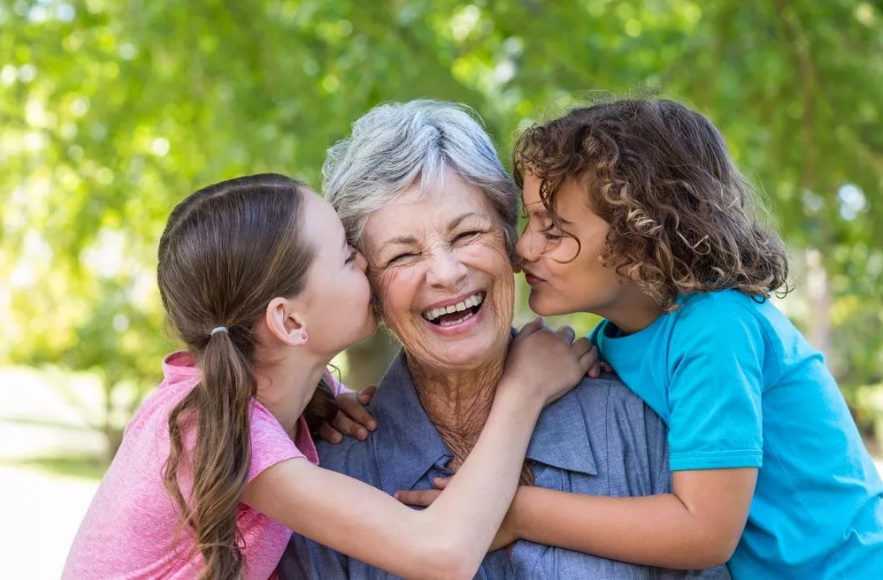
<point>425,497</point>
<point>352,419</point>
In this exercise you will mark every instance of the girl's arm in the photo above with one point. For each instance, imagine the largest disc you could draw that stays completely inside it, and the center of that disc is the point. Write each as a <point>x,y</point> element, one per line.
<point>696,526</point>
<point>450,538</point>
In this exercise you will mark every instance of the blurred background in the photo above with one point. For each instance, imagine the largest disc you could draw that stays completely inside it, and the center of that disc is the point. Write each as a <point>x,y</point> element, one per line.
<point>111,111</point>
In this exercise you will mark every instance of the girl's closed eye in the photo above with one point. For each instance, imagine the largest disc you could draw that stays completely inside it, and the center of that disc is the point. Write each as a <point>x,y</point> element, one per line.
<point>352,256</point>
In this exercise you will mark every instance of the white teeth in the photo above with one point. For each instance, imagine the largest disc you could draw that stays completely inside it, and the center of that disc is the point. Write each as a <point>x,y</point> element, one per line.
<point>469,302</point>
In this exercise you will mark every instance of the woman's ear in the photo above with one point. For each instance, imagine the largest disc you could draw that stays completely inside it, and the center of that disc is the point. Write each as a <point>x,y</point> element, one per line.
<point>285,323</point>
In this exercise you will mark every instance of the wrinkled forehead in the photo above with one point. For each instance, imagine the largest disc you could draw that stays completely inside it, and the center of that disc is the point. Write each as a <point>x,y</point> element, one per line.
<point>422,209</point>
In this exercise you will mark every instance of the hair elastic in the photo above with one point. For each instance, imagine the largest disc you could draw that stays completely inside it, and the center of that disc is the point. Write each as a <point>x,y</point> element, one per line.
<point>219,329</point>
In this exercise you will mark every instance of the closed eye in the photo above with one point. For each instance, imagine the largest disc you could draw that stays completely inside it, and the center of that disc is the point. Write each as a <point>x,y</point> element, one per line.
<point>401,257</point>
<point>351,257</point>
<point>466,235</point>
<point>550,235</point>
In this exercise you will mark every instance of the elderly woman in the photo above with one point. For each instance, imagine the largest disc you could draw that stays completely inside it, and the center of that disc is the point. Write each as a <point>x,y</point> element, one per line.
<point>422,193</point>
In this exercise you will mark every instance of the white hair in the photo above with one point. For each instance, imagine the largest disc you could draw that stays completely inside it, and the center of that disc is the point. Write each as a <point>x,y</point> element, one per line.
<point>396,145</point>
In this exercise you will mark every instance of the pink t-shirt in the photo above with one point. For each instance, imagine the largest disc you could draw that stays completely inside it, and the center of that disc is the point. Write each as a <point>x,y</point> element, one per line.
<point>128,529</point>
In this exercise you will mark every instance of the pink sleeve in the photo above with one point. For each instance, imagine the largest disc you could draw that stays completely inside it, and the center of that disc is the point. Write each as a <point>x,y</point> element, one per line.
<point>337,387</point>
<point>270,444</point>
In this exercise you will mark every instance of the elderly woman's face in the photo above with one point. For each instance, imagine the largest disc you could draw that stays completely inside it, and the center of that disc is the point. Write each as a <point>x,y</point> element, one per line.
<point>438,264</point>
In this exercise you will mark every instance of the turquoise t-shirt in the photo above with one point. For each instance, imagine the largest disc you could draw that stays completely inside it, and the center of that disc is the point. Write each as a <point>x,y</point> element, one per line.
<point>739,386</point>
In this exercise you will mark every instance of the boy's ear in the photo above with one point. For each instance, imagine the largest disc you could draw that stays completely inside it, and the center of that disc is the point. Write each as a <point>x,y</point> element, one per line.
<point>286,323</point>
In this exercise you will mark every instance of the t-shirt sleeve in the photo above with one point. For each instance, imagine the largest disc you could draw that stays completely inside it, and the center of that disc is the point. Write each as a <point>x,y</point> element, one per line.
<point>337,388</point>
<point>270,444</point>
<point>716,370</point>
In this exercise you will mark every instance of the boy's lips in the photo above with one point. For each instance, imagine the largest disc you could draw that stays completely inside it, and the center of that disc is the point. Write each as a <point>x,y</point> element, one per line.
<point>530,277</point>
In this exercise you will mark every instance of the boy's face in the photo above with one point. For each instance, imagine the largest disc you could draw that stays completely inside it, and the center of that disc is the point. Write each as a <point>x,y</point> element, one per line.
<point>567,276</point>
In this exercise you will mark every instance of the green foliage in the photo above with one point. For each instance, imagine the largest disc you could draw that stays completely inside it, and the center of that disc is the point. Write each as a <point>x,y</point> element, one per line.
<point>112,111</point>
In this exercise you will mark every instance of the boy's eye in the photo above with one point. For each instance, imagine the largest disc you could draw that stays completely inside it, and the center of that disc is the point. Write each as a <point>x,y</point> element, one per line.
<point>351,257</point>
<point>551,236</point>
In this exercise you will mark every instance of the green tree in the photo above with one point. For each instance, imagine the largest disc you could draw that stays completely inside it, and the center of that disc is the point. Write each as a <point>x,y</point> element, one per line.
<point>113,111</point>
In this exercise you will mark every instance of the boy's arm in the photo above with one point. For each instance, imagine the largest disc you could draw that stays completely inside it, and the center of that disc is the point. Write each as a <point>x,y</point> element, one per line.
<point>697,526</point>
<point>717,439</point>
<point>715,442</point>
<point>353,418</point>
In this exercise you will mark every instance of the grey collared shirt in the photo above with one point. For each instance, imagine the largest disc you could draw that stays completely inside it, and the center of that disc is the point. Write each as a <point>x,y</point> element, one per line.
<point>599,439</point>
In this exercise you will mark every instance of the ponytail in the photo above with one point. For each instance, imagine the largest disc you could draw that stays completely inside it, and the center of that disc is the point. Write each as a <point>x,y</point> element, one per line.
<point>220,406</point>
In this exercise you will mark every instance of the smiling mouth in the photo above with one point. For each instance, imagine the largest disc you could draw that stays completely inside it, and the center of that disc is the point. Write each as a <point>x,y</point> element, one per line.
<point>455,313</point>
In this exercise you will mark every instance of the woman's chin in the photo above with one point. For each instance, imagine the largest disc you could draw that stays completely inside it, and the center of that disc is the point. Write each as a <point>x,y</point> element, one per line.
<point>463,360</point>
<point>466,350</point>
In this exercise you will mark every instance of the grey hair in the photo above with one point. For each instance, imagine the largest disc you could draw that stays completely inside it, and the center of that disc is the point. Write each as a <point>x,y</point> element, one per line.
<point>395,145</point>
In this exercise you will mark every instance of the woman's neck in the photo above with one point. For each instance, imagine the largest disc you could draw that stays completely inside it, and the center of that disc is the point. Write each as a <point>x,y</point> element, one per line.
<point>286,386</point>
<point>458,403</point>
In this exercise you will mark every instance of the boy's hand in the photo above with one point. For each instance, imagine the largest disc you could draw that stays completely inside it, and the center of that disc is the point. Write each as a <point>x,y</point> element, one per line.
<point>352,419</point>
<point>598,366</point>
<point>425,497</point>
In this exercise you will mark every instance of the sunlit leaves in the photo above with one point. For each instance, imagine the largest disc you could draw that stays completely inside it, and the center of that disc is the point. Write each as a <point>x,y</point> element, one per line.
<point>112,111</point>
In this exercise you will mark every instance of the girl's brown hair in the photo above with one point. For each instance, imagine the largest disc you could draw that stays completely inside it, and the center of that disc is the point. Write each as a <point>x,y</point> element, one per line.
<point>226,251</point>
<point>680,213</point>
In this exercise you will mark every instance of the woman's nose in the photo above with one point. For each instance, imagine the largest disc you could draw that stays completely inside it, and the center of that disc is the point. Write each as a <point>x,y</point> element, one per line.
<point>446,269</point>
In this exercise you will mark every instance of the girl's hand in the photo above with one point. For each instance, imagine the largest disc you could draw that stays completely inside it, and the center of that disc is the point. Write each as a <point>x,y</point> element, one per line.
<point>548,363</point>
<point>425,497</point>
<point>352,419</point>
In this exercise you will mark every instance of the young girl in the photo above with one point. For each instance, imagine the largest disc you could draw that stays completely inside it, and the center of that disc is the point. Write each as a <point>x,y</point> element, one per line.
<point>218,465</point>
<point>636,213</point>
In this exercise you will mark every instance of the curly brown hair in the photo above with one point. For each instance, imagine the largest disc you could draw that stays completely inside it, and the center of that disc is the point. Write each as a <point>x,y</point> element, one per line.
<point>682,218</point>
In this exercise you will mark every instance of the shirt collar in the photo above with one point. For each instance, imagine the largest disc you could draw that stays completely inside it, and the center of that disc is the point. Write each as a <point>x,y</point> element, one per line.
<point>408,444</point>
<point>561,437</point>
<point>180,367</point>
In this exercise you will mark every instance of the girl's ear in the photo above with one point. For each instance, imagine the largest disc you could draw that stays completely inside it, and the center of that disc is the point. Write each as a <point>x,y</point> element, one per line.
<point>285,323</point>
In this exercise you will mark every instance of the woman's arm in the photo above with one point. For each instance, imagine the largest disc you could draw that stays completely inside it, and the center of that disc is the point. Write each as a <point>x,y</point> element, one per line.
<point>696,526</point>
<point>450,538</point>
